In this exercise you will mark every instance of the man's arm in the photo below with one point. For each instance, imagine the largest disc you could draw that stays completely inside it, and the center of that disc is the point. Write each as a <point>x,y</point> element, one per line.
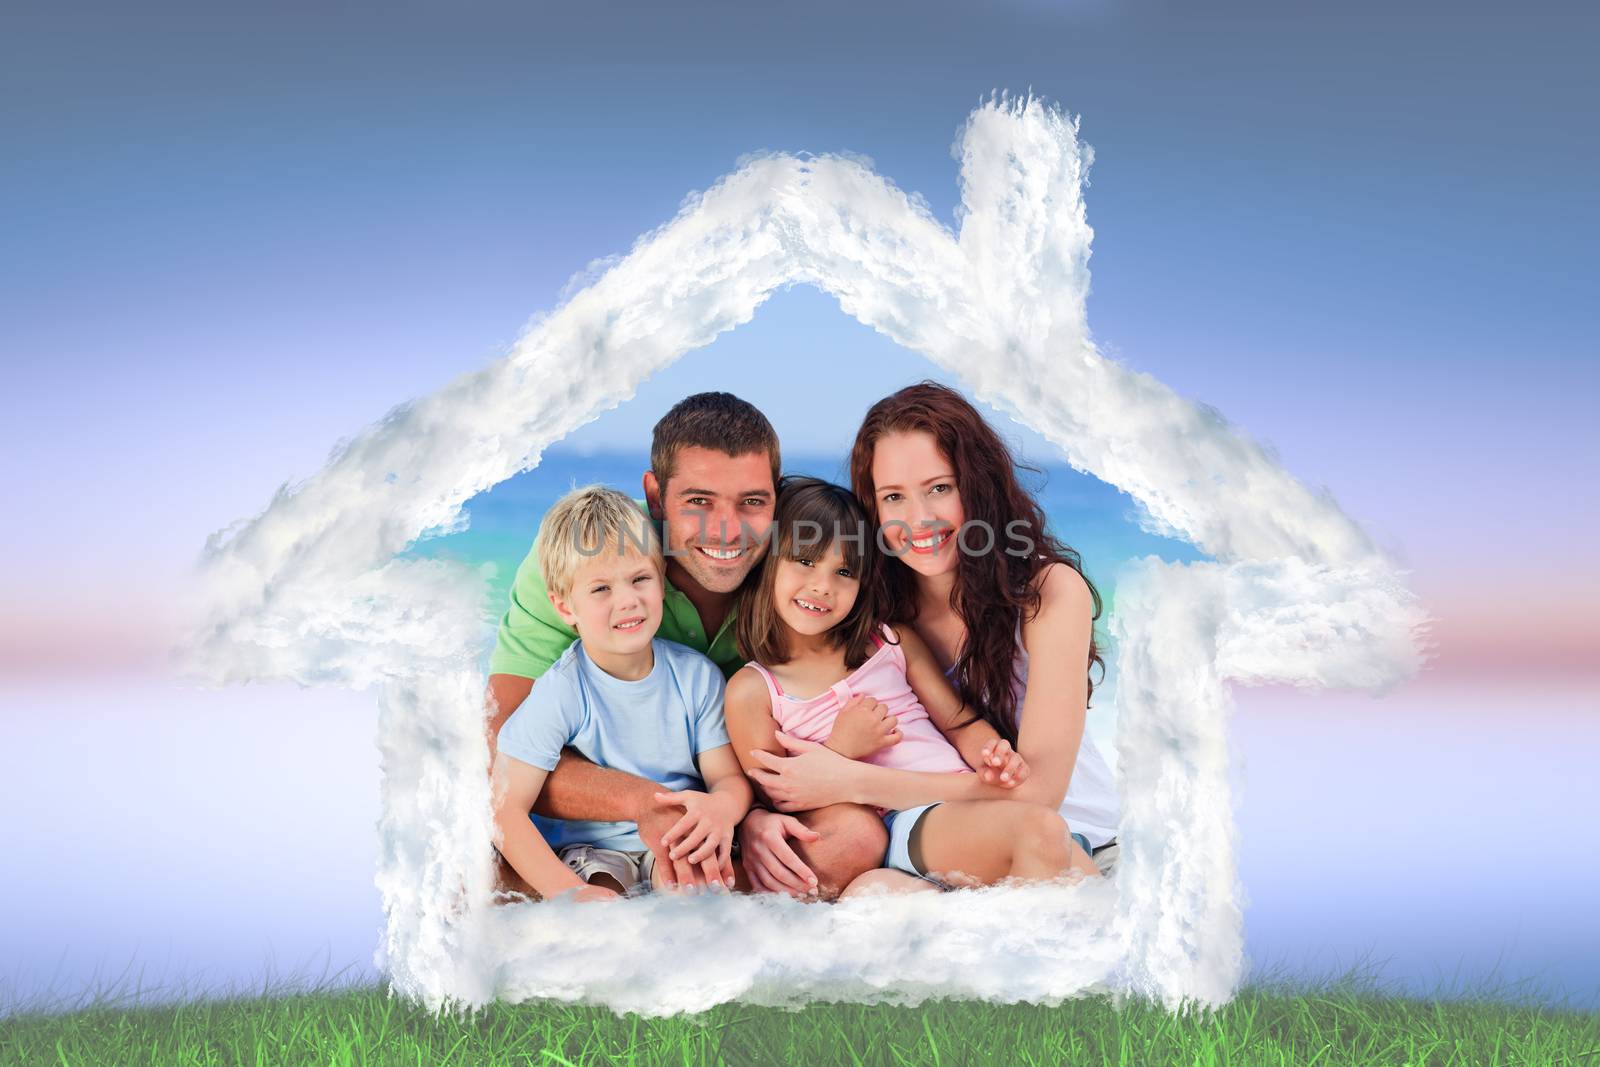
<point>577,789</point>
<point>506,694</point>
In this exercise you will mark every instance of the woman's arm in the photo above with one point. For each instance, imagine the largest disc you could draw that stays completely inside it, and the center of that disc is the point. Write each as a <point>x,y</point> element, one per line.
<point>972,736</point>
<point>756,741</point>
<point>1057,698</point>
<point>1053,713</point>
<point>813,776</point>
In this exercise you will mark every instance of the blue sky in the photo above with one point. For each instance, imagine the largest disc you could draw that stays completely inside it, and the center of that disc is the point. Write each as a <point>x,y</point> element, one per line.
<point>236,236</point>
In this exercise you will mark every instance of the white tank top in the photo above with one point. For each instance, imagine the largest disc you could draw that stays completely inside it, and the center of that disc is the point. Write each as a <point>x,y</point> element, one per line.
<point>1091,807</point>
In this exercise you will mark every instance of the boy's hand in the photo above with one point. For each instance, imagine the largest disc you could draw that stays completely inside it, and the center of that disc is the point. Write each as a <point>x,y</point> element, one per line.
<point>590,894</point>
<point>862,727</point>
<point>703,837</point>
<point>1002,765</point>
<point>654,821</point>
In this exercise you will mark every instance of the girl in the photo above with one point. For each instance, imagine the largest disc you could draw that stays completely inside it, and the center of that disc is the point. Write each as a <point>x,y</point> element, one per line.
<point>825,670</point>
<point>1002,606</point>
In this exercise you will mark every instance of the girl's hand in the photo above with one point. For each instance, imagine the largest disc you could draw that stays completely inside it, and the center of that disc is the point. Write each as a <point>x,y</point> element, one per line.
<point>814,776</point>
<point>703,837</point>
<point>1002,765</point>
<point>862,727</point>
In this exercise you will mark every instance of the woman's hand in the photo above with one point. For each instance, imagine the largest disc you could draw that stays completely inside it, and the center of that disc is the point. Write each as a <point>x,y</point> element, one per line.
<point>1002,765</point>
<point>863,726</point>
<point>812,776</point>
<point>770,863</point>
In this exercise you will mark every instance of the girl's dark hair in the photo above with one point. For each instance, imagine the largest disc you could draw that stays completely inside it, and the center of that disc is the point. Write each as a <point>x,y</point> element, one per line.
<point>993,590</point>
<point>811,515</point>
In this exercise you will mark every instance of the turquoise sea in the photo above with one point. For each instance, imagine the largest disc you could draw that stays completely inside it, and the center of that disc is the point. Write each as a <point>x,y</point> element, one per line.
<point>1097,519</point>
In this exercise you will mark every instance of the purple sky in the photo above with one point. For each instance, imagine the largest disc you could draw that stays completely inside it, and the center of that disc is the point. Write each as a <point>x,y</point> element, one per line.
<point>1364,234</point>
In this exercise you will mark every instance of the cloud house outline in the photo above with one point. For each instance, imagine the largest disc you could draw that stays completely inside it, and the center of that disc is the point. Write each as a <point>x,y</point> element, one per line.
<point>310,590</point>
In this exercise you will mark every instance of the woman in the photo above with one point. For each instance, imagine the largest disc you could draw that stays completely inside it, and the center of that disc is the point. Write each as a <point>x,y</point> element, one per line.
<point>1003,606</point>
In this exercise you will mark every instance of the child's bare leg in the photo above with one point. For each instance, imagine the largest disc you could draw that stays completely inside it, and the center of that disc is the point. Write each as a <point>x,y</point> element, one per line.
<point>981,842</point>
<point>887,880</point>
<point>507,880</point>
<point>853,842</point>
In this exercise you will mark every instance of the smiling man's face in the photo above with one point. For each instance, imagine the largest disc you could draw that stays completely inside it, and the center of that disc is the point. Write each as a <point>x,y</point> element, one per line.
<point>717,516</point>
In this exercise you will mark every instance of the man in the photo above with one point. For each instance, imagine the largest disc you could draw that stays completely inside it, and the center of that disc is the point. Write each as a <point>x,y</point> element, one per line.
<point>714,464</point>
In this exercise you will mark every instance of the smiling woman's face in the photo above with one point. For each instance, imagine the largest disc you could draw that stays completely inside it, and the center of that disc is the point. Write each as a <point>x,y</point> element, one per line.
<point>919,502</point>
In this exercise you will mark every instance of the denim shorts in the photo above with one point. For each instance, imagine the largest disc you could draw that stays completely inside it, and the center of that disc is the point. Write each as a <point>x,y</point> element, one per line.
<point>900,824</point>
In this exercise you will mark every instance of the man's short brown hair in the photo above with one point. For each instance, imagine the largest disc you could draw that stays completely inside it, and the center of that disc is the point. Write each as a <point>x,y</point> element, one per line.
<point>718,421</point>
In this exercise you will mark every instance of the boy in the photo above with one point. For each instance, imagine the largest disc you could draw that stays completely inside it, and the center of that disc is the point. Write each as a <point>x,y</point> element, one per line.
<point>623,699</point>
<point>714,465</point>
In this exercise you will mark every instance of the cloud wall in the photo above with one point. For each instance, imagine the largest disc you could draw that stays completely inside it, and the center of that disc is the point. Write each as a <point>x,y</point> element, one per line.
<point>310,590</point>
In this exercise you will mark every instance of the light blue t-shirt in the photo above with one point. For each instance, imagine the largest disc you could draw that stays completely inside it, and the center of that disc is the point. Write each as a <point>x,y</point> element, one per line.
<point>653,728</point>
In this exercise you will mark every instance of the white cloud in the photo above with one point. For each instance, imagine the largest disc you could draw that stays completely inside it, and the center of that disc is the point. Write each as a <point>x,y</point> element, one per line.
<point>310,590</point>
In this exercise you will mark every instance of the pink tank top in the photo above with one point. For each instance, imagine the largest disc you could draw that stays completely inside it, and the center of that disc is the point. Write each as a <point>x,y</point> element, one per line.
<point>883,677</point>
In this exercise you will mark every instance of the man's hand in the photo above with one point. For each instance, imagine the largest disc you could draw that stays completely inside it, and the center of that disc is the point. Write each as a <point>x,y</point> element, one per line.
<point>769,862</point>
<point>654,822</point>
<point>703,836</point>
<point>862,727</point>
<point>1002,765</point>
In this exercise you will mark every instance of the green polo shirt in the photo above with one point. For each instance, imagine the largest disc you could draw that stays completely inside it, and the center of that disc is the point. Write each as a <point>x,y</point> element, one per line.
<point>532,636</point>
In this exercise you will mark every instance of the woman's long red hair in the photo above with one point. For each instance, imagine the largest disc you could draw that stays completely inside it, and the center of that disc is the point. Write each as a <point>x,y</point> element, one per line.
<point>993,590</point>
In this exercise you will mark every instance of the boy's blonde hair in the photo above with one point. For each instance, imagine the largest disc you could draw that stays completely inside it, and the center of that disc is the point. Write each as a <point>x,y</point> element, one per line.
<point>586,523</point>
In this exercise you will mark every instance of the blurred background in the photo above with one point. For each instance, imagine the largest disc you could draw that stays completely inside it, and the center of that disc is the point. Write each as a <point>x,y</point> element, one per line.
<point>232,239</point>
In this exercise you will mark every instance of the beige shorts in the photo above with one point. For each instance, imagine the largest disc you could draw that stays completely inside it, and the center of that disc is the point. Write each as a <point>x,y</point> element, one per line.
<point>632,870</point>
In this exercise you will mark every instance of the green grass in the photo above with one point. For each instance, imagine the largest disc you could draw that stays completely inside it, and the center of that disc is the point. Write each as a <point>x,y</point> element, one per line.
<point>1341,1023</point>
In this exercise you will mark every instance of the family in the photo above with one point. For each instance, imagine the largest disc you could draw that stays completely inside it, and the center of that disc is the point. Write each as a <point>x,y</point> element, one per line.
<point>775,684</point>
